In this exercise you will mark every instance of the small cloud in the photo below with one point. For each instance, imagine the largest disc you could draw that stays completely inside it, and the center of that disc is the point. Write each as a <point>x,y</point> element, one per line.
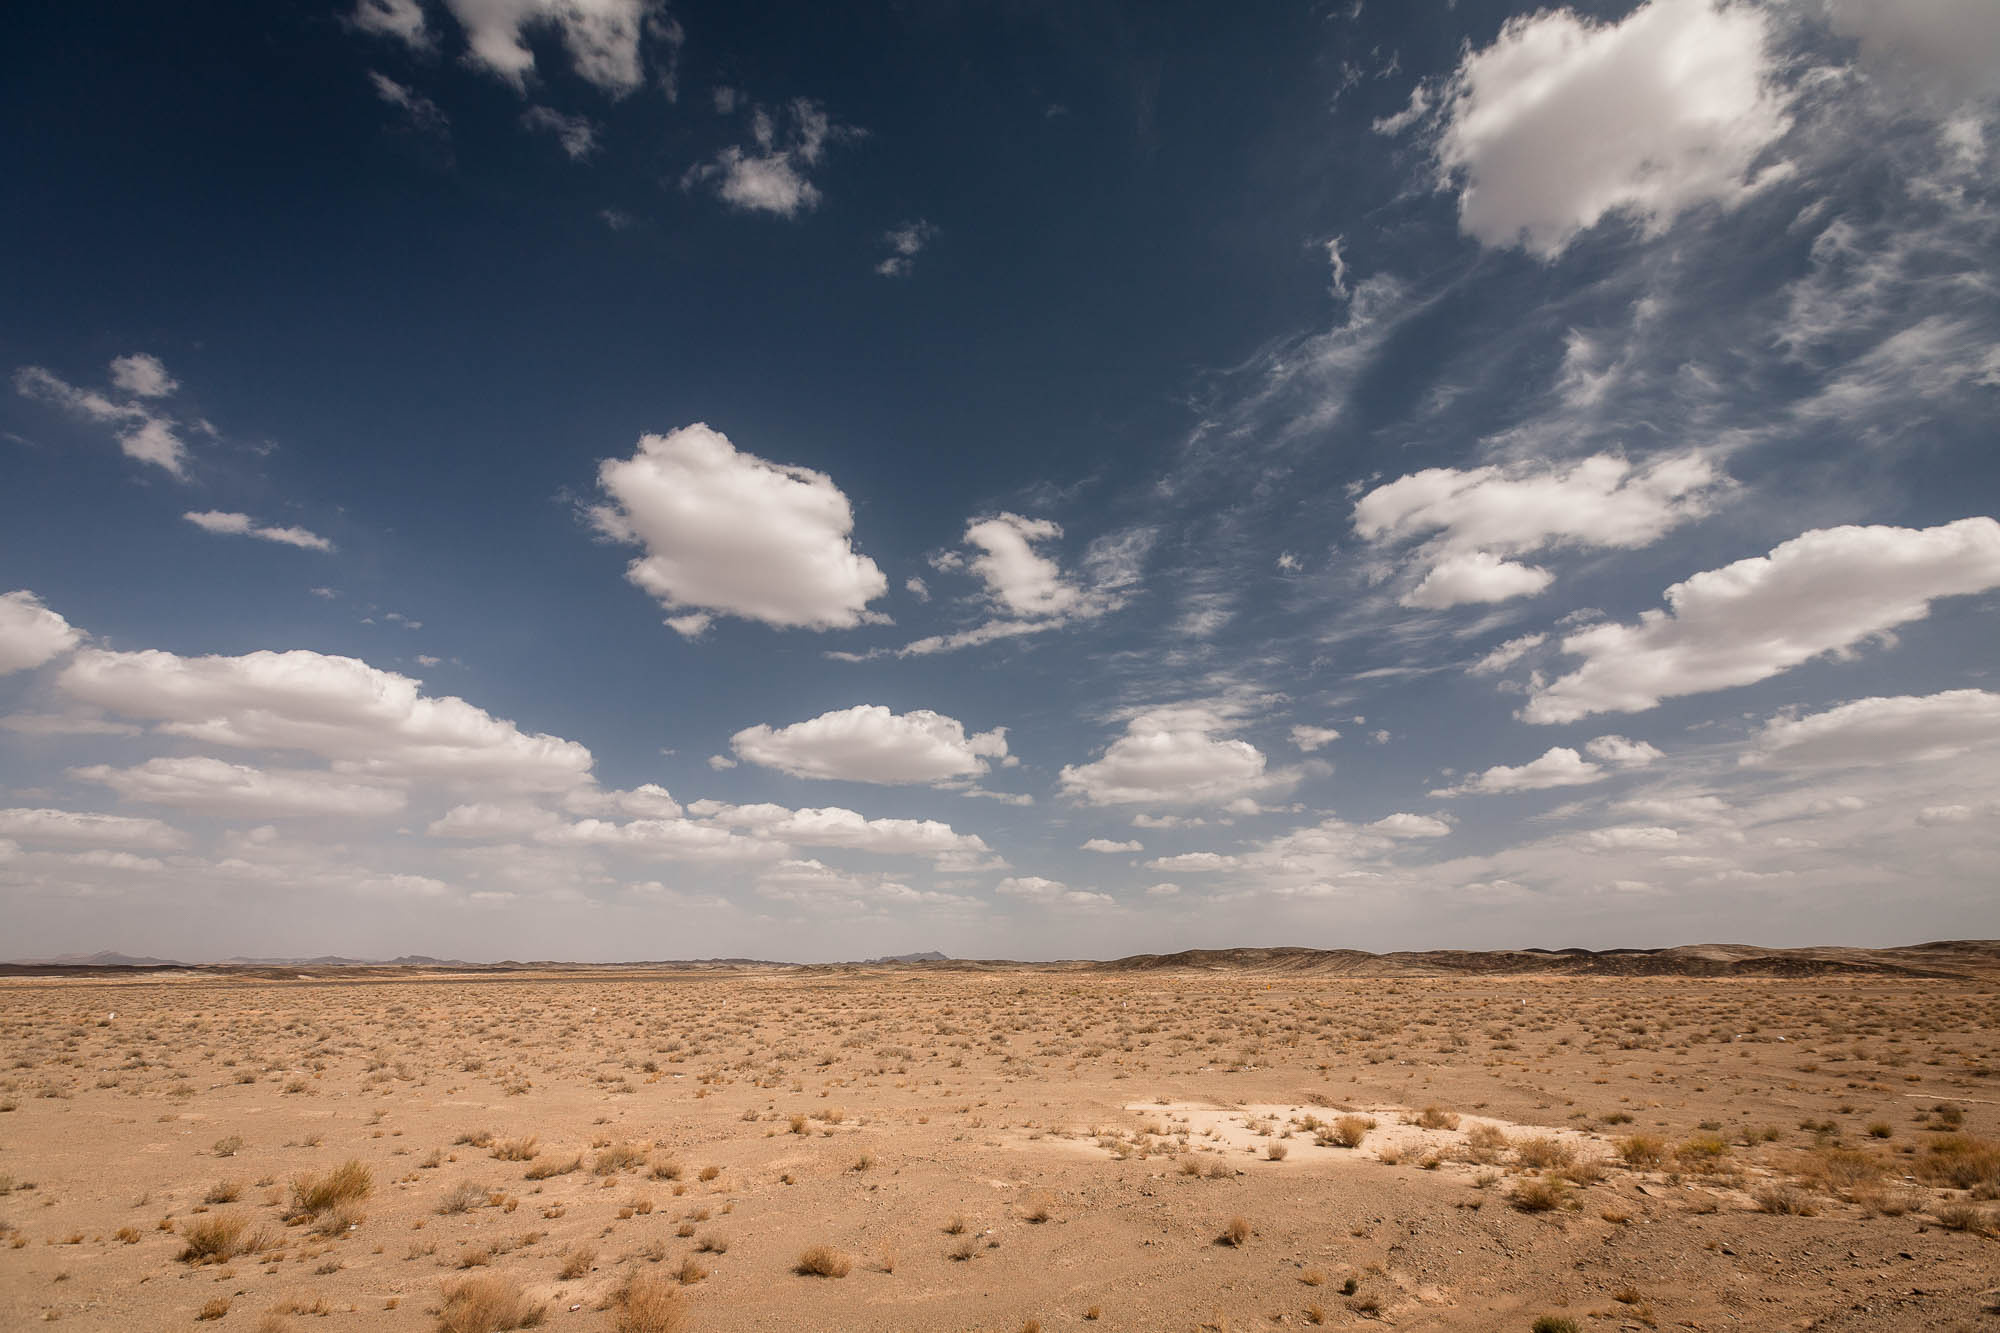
<point>1308,738</point>
<point>576,134</point>
<point>905,244</point>
<point>423,115</point>
<point>1106,845</point>
<point>242,525</point>
<point>721,762</point>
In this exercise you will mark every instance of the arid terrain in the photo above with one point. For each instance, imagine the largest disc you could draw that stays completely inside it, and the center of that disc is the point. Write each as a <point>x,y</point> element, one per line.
<point>1233,1140</point>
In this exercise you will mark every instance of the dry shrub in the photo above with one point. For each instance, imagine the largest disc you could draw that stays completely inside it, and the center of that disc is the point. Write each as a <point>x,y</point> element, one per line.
<point>1839,1170</point>
<point>1350,1130</point>
<point>462,1198</point>
<point>1540,1195</point>
<point>1237,1233</point>
<point>618,1157</point>
<point>350,1182</point>
<point>645,1303</point>
<point>1540,1152</point>
<point>690,1271</point>
<point>218,1238</point>
<point>1786,1201</point>
<point>823,1261</point>
<point>1642,1150</point>
<point>1701,1152</point>
<point>1960,1161</point>
<point>488,1304</point>
<point>1275,1151</point>
<point>1435,1117</point>
<point>576,1263</point>
<point>1484,1144</point>
<point>214,1309</point>
<point>544,1168</point>
<point>1965,1217</point>
<point>515,1150</point>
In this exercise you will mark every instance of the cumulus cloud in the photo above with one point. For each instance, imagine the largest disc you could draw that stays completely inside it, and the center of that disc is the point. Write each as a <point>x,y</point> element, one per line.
<point>1468,520</point>
<point>1107,846</point>
<point>869,743</point>
<point>1559,767</point>
<point>665,839</point>
<point>1821,592</point>
<point>729,533</point>
<point>905,244</point>
<point>1949,48</point>
<point>214,787</point>
<point>242,525</point>
<point>576,134</point>
<point>602,37</point>
<point>813,884</point>
<point>1508,653</point>
<point>370,722</point>
<point>832,826</point>
<point>770,174</point>
<point>1309,738</point>
<point>1049,892</point>
<point>31,634</point>
<point>143,433</point>
<point>1173,756</point>
<point>1881,730</point>
<point>494,821</point>
<point>1404,825</point>
<point>70,828</point>
<point>1623,752</point>
<point>1562,121</point>
<point>1197,861</point>
<point>400,19</point>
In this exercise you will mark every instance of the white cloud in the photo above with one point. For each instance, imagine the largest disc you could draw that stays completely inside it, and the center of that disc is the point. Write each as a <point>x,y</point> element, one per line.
<point>1821,592</point>
<point>1109,847</point>
<point>814,884</point>
<point>601,36</point>
<point>869,743</point>
<point>1468,519</point>
<point>142,376</point>
<point>666,839</point>
<point>1878,731</point>
<point>31,634</point>
<point>214,787</point>
<point>729,533</point>
<point>1050,892</point>
<point>369,722</point>
<point>832,826</point>
<point>1631,837</point>
<point>1022,581</point>
<point>769,176</point>
<point>1622,752</point>
<point>497,821</point>
<point>81,723</point>
<point>1948,47</point>
<point>1164,890</point>
<point>1479,576</point>
<point>905,244</point>
<point>1403,825</point>
<point>576,134</point>
<point>1507,654</point>
<point>70,828</point>
<point>401,19</point>
<point>1198,861</point>
<point>1562,121</point>
<point>424,115</point>
<point>1310,738</point>
<point>1559,767</point>
<point>242,525</point>
<point>1173,757</point>
<point>142,434</point>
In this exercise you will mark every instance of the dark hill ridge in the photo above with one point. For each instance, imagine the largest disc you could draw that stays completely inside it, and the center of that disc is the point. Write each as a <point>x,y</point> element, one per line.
<point>1943,958</point>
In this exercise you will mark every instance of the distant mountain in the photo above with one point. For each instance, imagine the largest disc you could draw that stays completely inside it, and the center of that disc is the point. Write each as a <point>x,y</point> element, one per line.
<point>928,956</point>
<point>105,959</point>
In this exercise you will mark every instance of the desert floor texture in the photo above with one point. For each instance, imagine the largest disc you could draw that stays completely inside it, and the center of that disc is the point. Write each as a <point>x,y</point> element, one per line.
<point>996,1149</point>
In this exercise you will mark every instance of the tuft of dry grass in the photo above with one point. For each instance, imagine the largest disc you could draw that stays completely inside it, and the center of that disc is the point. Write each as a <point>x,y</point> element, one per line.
<point>214,1309</point>
<point>1540,1195</point>
<point>489,1303</point>
<point>348,1183</point>
<point>1539,1152</point>
<point>218,1238</point>
<point>515,1150</point>
<point>1237,1233</point>
<point>544,1168</point>
<point>1275,1151</point>
<point>618,1157</point>
<point>645,1303</point>
<point>1786,1200</point>
<point>823,1261</point>
<point>1435,1117</point>
<point>1642,1150</point>
<point>1350,1130</point>
<point>577,1262</point>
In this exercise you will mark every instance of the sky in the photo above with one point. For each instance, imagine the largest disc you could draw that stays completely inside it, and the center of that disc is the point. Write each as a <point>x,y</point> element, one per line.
<point>603,480</point>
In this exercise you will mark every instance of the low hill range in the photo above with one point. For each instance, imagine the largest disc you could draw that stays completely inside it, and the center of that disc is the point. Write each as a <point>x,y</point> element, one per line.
<point>1938,959</point>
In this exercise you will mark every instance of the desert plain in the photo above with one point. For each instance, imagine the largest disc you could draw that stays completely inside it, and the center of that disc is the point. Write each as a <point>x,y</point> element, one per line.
<point>1232,1141</point>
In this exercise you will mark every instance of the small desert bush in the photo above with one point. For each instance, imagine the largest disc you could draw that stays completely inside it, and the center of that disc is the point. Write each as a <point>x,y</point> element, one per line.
<point>350,1182</point>
<point>1275,1151</point>
<point>823,1261</point>
<point>488,1304</point>
<point>462,1198</point>
<point>1540,1195</point>
<point>1434,1117</point>
<point>1960,1161</point>
<point>1700,1152</point>
<point>1965,1217</point>
<point>515,1150</point>
<point>218,1238</point>
<point>1786,1201</point>
<point>576,1263</point>
<point>1642,1150</point>
<point>618,1157</point>
<point>1237,1233</point>
<point>1350,1130</point>
<point>1540,1152</point>
<point>1549,1323</point>
<point>223,1191</point>
<point>645,1303</point>
<point>545,1167</point>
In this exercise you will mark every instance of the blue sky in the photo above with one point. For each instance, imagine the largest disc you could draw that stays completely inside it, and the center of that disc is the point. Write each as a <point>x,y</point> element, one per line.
<point>588,479</point>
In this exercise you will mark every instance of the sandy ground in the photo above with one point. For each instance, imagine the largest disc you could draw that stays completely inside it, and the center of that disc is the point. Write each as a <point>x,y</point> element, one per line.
<point>1001,1150</point>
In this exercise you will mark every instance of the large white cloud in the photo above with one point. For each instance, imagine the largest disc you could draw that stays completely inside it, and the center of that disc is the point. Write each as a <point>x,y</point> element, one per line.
<point>1821,592</point>
<point>242,525</point>
<point>601,36</point>
<point>1562,121</point>
<point>728,533</point>
<point>869,743</point>
<point>71,828</point>
<point>369,722</point>
<point>1467,520</point>
<point>832,826</point>
<point>31,634</point>
<point>1173,756</point>
<point>1881,730</point>
<point>215,787</point>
